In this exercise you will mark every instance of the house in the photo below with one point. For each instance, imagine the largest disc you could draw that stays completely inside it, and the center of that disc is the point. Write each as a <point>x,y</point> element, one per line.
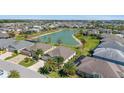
<point>19,45</point>
<point>4,35</point>
<point>45,47</point>
<point>109,54</point>
<point>93,67</point>
<point>108,31</point>
<point>106,38</point>
<point>12,44</point>
<point>4,43</point>
<point>112,44</point>
<point>64,52</point>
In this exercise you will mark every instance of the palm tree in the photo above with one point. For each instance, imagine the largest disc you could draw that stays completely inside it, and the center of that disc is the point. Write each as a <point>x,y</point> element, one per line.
<point>14,74</point>
<point>16,52</point>
<point>43,70</point>
<point>68,69</point>
<point>39,53</point>
<point>11,34</point>
<point>59,61</point>
<point>51,65</point>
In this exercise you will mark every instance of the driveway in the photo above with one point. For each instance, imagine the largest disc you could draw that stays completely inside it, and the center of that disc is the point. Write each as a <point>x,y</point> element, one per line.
<point>17,59</point>
<point>24,72</point>
<point>5,55</point>
<point>36,66</point>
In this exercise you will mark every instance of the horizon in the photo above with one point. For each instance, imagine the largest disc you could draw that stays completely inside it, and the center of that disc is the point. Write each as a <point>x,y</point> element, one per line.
<point>61,17</point>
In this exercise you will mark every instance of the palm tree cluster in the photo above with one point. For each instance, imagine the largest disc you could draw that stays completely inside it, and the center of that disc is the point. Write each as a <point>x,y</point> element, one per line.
<point>14,74</point>
<point>37,54</point>
<point>68,69</point>
<point>52,64</point>
<point>57,65</point>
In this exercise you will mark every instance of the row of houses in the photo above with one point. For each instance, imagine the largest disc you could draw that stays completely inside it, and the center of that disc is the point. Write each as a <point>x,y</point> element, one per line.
<point>27,48</point>
<point>4,35</point>
<point>51,51</point>
<point>111,49</point>
<point>107,60</point>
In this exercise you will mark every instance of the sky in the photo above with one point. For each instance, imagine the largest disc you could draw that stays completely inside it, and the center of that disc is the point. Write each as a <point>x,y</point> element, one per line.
<point>64,17</point>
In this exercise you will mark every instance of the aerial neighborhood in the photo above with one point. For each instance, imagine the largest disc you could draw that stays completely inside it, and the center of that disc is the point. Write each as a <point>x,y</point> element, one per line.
<point>61,49</point>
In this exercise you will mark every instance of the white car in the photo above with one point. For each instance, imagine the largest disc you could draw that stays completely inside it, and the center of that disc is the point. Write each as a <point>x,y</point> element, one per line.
<point>3,73</point>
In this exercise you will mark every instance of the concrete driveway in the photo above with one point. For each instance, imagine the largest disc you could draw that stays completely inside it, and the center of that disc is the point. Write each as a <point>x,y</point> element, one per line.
<point>5,55</point>
<point>17,59</point>
<point>36,66</point>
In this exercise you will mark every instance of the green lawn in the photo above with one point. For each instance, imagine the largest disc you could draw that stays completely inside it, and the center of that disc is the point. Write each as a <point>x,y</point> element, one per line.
<point>20,37</point>
<point>2,51</point>
<point>56,75</point>
<point>91,43</point>
<point>13,55</point>
<point>27,62</point>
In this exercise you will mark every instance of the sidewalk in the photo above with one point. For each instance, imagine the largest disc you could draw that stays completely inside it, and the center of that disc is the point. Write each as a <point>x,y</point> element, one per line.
<point>17,59</point>
<point>5,55</point>
<point>36,66</point>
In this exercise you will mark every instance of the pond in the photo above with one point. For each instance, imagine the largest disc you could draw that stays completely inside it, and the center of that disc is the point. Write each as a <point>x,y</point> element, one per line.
<point>64,37</point>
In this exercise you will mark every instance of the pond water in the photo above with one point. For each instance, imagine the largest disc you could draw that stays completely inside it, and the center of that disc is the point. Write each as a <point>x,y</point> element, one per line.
<point>64,36</point>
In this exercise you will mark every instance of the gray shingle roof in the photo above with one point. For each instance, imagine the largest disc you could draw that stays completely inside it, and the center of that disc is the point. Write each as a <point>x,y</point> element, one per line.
<point>12,43</point>
<point>17,45</point>
<point>105,68</point>
<point>42,46</point>
<point>110,54</point>
<point>4,35</point>
<point>110,38</point>
<point>61,51</point>
<point>4,43</point>
<point>112,44</point>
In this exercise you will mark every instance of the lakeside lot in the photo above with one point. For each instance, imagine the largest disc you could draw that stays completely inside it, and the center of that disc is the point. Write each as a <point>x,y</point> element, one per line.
<point>91,44</point>
<point>88,44</point>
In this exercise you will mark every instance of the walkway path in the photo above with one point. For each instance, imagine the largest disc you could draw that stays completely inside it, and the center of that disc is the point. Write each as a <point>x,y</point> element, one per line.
<point>36,66</point>
<point>5,55</point>
<point>80,44</point>
<point>17,59</point>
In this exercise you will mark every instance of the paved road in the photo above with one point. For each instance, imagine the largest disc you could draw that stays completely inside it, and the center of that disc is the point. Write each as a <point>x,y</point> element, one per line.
<point>17,59</point>
<point>5,55</point>
<point>24,72</point>
<point>36,66</point>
